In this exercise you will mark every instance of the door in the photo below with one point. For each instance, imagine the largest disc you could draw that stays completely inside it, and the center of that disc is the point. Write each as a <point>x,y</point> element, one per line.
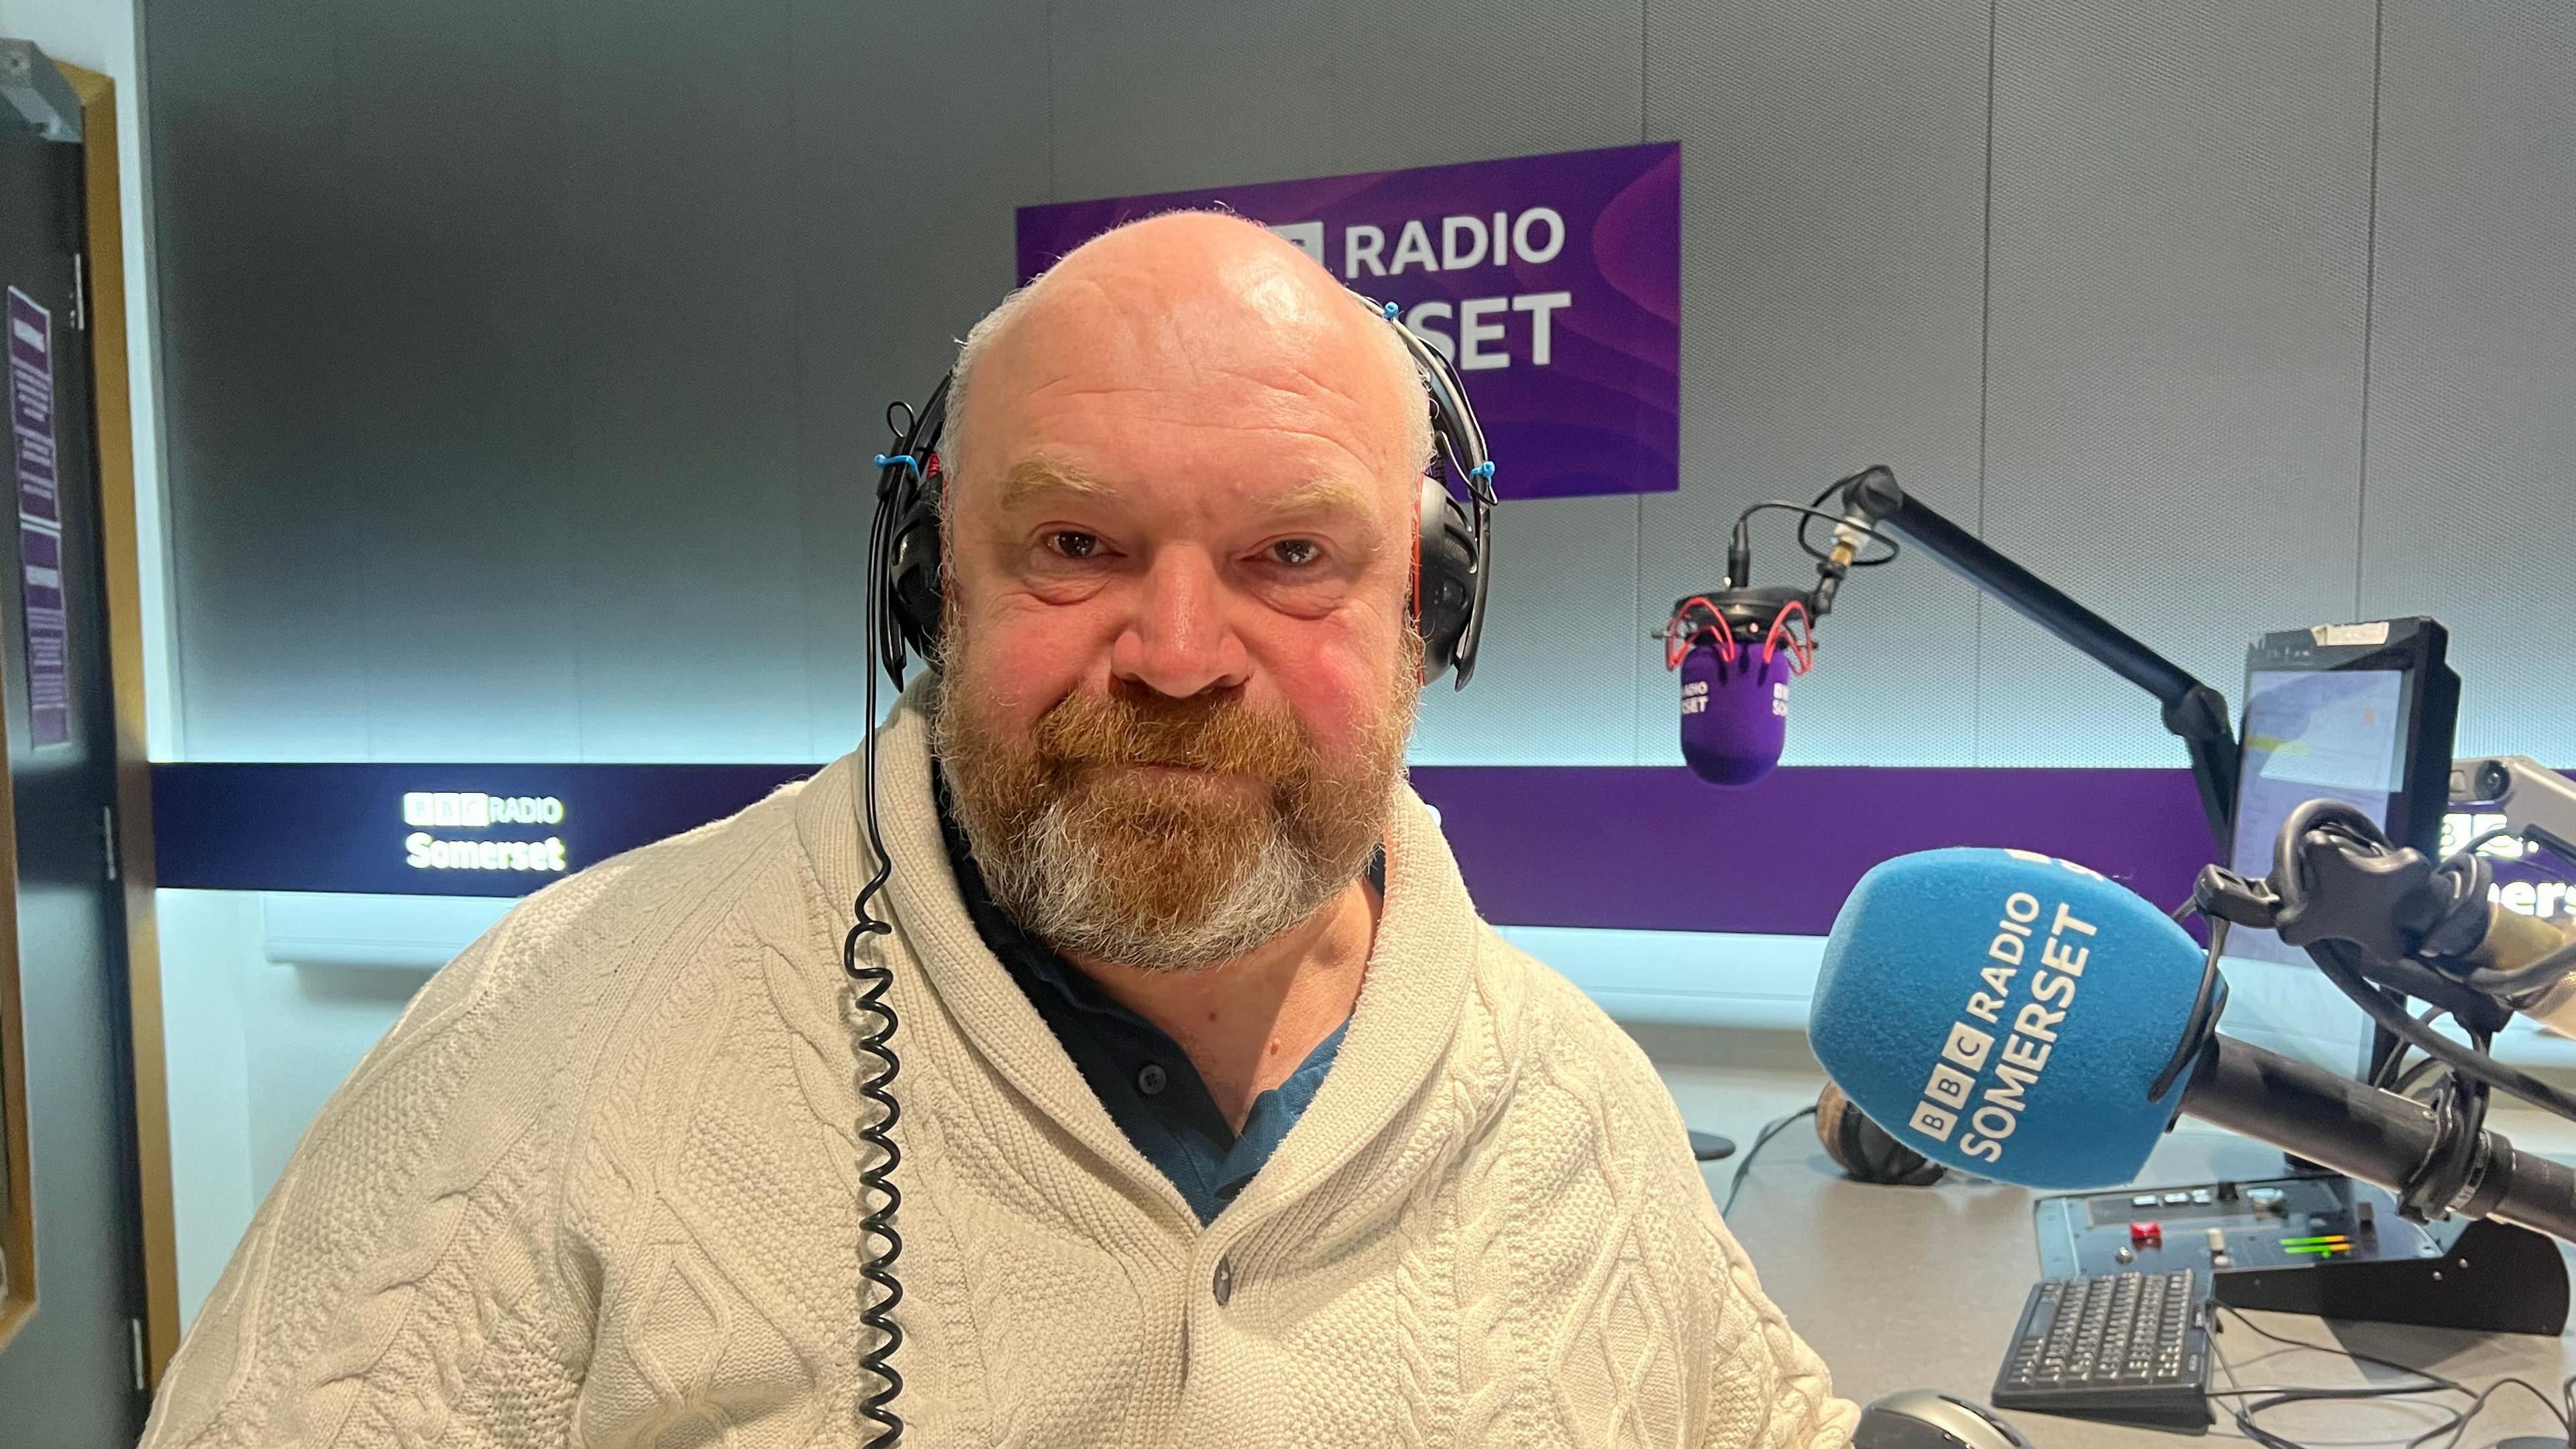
<point>69,1369</point>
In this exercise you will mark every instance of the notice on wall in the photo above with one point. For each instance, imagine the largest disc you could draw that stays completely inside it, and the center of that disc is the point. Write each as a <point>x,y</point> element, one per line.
<point>1553,283</point>
<point>32,436</point>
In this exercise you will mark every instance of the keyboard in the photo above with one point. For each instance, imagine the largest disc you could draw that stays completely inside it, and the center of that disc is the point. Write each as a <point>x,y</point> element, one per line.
<point>2128,1347</point>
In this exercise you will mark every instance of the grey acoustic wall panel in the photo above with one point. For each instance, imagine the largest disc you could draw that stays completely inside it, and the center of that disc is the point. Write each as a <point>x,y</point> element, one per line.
<point>1421,84</point>
<point>682,373</point>
<point>2471,483</point>
<point>2180,244</point>
<point>1553,684</point>
<point>1832,215</point>
<point>1162,95</point>
<point>530,357</point>
<point>1455,81</point>
<point>1228,94</point>
<point>255,296</point>
<point>453,423</point>
<point>903,238</point>
<point>523,361</point>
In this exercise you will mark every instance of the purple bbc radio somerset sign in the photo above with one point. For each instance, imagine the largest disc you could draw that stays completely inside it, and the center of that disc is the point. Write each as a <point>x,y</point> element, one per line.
<point>1552,282</point>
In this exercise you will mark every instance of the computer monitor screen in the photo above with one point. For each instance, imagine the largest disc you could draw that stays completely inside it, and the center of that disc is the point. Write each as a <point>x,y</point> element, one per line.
<point>2337,734</point>
<point>2311,731</point>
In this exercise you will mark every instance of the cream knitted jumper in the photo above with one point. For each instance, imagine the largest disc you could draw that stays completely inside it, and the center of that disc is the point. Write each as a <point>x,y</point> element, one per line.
<point>599,1186</point>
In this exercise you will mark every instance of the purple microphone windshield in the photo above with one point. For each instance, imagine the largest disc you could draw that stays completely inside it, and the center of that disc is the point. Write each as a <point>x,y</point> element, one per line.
<point>1735,714</point>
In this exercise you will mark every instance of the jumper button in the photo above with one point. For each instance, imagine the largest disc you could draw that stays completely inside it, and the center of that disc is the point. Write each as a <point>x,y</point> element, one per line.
<point>1222,1286</point>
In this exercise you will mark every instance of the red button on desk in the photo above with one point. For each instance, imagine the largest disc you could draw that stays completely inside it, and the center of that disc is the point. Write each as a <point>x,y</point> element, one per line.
<point>2147,1233</point>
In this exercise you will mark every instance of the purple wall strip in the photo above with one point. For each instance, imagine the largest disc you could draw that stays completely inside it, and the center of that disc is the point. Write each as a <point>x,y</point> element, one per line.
<point>1612,847</point>
<point>1651,849</point>
<point>1658,849</point>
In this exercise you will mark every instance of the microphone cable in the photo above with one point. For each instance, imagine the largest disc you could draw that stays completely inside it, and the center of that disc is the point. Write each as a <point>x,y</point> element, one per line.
<point>1744,1164</point>
<point>1739,546</point>
<point>2334,963</point>
<point>2358,974</point>
<point>879,1243</point>
<point>2455,1422</point>
<point>1815,509</point>
<point>1700,614</point>
<point>872,1014</point>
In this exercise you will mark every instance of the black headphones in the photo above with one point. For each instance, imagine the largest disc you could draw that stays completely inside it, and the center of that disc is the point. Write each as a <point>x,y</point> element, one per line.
<point>1865,1150</point>
<point>1451,567</point>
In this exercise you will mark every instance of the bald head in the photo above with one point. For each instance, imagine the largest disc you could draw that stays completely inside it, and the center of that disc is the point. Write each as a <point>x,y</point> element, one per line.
<point>1179,294</point>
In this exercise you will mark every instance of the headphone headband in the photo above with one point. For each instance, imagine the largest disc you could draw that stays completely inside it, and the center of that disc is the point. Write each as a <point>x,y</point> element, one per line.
<point>1460,440</point>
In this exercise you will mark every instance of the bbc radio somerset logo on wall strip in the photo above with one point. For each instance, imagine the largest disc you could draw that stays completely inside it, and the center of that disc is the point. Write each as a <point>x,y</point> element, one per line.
<point>1552,282</point>
<point>443,810</point>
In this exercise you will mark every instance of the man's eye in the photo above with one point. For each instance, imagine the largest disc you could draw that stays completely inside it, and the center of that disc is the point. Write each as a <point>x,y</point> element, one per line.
<point>1296,552</point>
<point>1067,544</point>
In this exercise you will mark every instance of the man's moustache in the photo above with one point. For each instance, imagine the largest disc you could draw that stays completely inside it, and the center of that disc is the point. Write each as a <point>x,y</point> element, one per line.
<point>1227,738</point>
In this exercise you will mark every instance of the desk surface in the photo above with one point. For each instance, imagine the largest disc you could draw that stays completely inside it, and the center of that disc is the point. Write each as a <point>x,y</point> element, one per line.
<point>1920,1287</point>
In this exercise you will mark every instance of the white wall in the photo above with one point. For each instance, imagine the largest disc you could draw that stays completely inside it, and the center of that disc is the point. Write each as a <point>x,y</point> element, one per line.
<point>212,1194</point>
<point>100,35</point>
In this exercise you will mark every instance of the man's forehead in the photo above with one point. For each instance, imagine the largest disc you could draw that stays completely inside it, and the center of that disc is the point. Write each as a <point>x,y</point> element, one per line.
<point>1036,481</point>
<point>1184,255</point>
<point>1165,301</point>
<point>1085,335</point>
<point>1238,407</point>
<point>1193,345</point>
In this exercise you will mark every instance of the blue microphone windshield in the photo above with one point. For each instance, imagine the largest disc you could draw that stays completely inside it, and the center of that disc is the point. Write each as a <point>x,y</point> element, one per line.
<point>2005,1013</point>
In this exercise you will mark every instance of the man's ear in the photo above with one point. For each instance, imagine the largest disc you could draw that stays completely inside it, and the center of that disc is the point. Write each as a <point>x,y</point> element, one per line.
<point>1413,580</point>
<point>947,531</point>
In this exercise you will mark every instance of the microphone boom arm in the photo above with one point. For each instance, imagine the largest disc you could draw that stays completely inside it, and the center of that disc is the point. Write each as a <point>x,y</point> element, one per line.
<point>2193,712</point>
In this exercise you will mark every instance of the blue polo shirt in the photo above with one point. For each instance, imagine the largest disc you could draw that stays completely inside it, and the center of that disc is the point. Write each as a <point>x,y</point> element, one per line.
<point>1141,1075</point>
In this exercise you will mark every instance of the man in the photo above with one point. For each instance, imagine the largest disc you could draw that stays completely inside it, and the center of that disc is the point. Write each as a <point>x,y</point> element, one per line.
<point>1225,1119</point>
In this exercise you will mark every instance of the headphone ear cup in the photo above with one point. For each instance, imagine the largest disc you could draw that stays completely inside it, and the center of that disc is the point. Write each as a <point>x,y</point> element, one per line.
<point>1444,577</point>
<point>913,564</point>
<point>913,582</point>
<point>1864,1150</point>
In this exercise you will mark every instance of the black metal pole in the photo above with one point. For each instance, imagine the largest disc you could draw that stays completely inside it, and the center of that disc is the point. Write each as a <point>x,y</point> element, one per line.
<point>2194,712</point>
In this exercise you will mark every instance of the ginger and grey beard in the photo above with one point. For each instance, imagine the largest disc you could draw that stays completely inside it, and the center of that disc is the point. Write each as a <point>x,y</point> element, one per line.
<point>1176,868</point>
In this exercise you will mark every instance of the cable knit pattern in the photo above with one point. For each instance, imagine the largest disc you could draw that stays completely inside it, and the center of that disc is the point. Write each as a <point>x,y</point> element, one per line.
<point>598,1187</point>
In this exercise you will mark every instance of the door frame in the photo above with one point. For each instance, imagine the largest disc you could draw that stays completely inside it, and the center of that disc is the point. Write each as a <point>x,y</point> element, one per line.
<point>18,1220</point>
<point>120,548</point>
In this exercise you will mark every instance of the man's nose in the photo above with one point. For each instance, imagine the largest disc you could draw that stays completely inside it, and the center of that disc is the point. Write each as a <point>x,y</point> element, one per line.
<point>1179,643</point>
